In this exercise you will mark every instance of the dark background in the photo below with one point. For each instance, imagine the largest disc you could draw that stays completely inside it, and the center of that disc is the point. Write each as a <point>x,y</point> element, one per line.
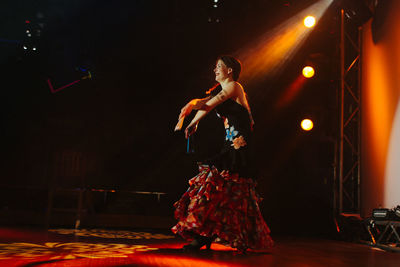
<point>148,58</point>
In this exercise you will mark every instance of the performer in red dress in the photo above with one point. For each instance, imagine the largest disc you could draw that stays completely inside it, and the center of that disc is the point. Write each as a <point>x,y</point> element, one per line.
<point>221,204</point>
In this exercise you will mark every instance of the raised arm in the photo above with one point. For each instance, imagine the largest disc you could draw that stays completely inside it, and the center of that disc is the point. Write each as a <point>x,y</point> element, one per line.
<point>229,92</point>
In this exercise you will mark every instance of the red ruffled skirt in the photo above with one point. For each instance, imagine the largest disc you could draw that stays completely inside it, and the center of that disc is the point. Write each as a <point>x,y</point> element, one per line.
<point>225,206</point>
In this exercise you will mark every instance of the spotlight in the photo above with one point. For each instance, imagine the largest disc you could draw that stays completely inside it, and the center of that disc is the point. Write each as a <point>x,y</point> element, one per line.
<point>309,21</point>
<point>308,72</point>
<point>356,11</point>
<point>380,214</point>
<point>307,124</point>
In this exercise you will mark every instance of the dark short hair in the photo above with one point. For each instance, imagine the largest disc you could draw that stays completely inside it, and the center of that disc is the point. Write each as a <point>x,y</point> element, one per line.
<point>232,63</point>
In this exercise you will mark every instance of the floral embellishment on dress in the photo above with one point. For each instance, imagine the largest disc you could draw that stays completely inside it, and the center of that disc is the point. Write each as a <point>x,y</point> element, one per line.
<point>238,142</point>
<point>230,133</point>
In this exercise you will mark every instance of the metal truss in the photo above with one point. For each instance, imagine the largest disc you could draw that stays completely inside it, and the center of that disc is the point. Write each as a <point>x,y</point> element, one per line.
<point>347,180</point>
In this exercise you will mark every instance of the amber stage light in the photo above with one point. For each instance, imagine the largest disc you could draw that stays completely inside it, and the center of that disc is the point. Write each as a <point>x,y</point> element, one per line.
<point>308,71</point>
<point>307,124</point>
<point>309,21</point>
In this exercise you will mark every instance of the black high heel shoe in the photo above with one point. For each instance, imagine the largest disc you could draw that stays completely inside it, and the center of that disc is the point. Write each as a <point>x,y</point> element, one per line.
<point>198,243</point>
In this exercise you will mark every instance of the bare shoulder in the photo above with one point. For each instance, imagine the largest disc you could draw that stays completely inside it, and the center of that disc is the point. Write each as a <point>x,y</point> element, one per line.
<point>237,84</point>
<point>234,87</point>
<point>241,95</point>
<point>239,89</point>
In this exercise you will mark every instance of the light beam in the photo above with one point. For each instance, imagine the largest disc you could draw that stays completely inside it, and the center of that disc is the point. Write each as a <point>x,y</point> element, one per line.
<point>267,56</point>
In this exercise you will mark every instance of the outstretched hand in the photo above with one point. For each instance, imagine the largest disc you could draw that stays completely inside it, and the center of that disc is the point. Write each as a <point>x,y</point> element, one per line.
<point>186,110</point>
<point>179,125</point>
<point>190,130</point>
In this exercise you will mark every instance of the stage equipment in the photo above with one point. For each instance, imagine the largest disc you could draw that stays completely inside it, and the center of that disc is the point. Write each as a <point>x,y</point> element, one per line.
<point>384,234</point>
<point>307,124</point>
<point>347,155</point>
<point>83,74</point>
<point>380,214</point>
<point>308,71</point>
<point>357,11</point>
<point>387,214</point>
<point>309,21</point>
<point>33,34</point>
<point>353,14</point>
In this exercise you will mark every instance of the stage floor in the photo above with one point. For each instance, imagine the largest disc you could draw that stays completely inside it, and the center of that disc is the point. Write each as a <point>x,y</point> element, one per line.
<point>107,247</point>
